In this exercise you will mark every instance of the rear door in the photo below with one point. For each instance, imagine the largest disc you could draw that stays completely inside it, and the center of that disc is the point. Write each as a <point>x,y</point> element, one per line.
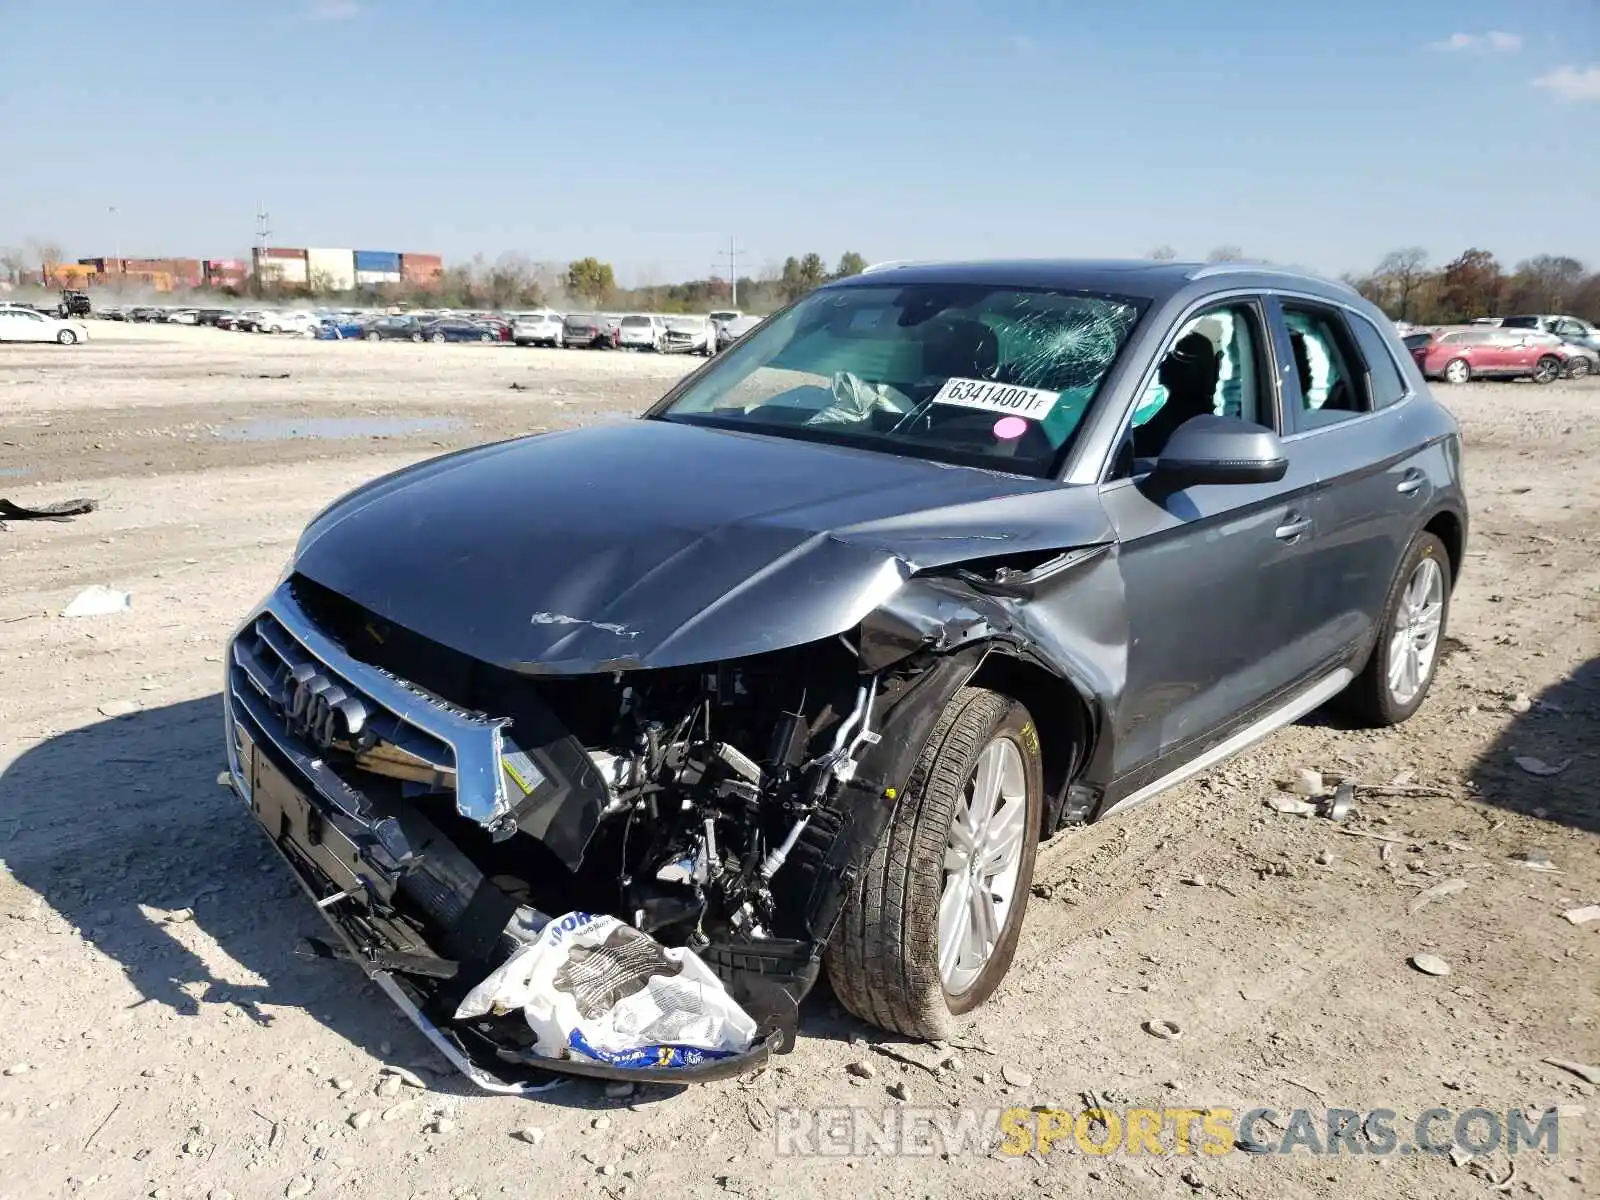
<point>1349,421</point>
<point>1212,575</point>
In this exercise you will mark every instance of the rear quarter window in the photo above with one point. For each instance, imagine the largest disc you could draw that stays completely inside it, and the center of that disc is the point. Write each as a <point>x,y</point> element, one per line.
<point>1388,385</point>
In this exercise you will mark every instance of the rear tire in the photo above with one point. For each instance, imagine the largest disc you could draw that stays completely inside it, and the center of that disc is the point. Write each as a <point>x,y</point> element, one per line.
<point>374,336</point>
<point>1371,700</point>
<point>437,339</point>
<point>1579,369</point>
<point>1547,369</point>
<point>1457,370</point>
<point>885,960</point>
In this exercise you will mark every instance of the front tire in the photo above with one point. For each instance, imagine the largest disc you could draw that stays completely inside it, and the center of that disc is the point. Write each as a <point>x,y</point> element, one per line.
<point>437,339</point>
<point>66,337</point>
<point>930,928</point>
<point>1579,369</point>
<point>1547,369</point>
<point>1405,656</point>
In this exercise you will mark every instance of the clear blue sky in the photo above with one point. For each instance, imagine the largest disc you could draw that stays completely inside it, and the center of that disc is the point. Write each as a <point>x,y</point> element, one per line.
<point>646,131</point>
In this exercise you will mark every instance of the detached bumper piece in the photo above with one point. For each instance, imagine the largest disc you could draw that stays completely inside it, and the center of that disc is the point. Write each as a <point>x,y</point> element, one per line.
<point>406,904</point>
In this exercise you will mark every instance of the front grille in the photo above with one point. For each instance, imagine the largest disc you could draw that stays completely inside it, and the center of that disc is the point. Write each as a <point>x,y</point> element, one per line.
<point>329,716</point>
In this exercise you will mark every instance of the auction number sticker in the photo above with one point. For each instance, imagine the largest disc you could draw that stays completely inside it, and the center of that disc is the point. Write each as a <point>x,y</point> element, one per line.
<point>1033,403</point>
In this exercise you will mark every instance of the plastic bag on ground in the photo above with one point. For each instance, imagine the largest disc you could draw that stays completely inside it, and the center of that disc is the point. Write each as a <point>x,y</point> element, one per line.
<point>593,988</point>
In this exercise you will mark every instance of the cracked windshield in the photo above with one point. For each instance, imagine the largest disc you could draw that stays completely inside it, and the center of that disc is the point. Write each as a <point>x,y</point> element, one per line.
<point>995,377</point>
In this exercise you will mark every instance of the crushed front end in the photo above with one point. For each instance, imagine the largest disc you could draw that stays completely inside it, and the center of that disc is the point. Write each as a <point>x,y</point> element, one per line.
<point>441,810</point>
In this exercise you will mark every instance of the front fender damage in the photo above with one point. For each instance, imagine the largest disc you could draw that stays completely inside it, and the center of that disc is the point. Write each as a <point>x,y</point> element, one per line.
<point>738,800</point>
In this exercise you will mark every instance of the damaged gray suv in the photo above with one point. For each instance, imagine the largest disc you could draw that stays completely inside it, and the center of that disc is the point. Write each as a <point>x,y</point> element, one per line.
<point>795,672</point>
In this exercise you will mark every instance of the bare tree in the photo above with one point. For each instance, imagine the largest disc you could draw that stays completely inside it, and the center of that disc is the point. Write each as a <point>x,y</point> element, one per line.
<point>1163,253</point>
<point>13,263</point>
<point>1405,270</point>
<point>42,251</point>
<point>1225,253</point>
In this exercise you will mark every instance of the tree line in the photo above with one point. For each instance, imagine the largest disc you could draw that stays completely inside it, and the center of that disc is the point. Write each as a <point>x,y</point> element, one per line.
<point>1407,286</point>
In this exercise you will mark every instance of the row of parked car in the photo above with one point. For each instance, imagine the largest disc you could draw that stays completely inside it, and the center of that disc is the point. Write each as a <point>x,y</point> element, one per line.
<point>662,334</point>
<point>1540,347</point>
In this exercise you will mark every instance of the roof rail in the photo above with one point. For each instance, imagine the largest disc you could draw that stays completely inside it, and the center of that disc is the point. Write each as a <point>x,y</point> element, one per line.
<point>887,265</point>
<point>1240,268</point>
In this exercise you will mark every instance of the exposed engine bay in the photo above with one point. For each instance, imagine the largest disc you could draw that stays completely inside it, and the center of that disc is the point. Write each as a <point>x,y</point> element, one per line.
<point>703,806</point>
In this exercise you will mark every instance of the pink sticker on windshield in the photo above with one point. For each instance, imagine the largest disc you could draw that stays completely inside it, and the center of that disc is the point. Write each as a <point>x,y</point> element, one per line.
<point>1007,428</point>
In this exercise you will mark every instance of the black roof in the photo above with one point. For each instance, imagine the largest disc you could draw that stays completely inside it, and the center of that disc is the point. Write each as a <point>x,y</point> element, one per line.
<point>1149,278</point>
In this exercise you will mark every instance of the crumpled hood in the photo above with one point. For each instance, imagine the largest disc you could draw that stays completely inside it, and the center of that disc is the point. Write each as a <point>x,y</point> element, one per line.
<point>653,544</point>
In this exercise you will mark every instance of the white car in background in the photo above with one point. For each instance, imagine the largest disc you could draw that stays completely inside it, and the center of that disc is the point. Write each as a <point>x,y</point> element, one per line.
<point>25,325</point>
<point>642,331</point>
<point>299,322</point>
<point>538,329</point>
<point>184,316</point>
<point>730,332</point>
<point>690,335</point>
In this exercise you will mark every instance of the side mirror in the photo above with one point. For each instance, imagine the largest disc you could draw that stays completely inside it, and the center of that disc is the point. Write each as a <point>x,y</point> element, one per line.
<point>1210,450</point>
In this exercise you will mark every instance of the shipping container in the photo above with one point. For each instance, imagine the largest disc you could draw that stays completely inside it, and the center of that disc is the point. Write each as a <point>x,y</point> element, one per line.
<point>376,278</point>
<point>423,269</point>
<point>280,268</point>
<point>279,252</point>
<point>331,270</point>
<point>377,260</point>
<point>69,275</point>
<point>106,266</point>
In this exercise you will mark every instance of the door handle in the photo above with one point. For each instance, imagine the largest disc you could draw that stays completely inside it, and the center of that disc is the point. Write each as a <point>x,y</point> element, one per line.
<point>1410,482</point>
<point>1292,528</point>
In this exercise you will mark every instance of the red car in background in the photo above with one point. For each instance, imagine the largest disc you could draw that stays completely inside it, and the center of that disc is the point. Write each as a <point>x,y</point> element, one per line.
<point>1457,354</point>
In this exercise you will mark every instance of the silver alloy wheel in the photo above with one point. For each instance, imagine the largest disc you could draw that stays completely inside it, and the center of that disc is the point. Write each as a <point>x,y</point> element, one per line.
<point>1579,368</point>
<point>1546,370</point>
<point>1456,371</point>
<point>982,860</point>
<point>1415,642</point>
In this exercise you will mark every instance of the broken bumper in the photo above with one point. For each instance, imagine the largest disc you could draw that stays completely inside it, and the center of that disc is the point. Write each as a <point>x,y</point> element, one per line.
<point>349,855</point>
<point>276,802</point>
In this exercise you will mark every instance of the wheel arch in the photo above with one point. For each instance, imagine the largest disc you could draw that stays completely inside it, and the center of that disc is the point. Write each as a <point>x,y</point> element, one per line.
<point>1063,715</point>
<point>1449,528</point>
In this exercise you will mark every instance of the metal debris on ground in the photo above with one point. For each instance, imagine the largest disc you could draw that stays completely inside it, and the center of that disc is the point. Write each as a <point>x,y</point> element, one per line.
<point>1447,887</point>
<point>1168,1031</point>
<point>98,601</point>
<point>1537,766</point>
<point>63,510</point>
<point>1430,964</point>
<point>1583,1071</point>
<point>1339,807</point>
<point>1015,1076</point>
<point>1580,916</point>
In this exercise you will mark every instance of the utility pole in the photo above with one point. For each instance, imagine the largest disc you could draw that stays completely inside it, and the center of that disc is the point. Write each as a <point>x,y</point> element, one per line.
<point>116,235</point>
<point>263,235</point>
<point>732,255</point>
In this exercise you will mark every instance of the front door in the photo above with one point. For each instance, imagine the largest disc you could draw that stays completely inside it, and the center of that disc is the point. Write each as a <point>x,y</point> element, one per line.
<point>1212,574</point>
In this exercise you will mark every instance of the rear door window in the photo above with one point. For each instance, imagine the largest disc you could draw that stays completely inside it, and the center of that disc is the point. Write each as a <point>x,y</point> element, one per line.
<point>1328,368</point>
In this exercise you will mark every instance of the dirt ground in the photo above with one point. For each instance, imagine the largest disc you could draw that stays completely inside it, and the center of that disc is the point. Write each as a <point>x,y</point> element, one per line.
<point>160,1037</point>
